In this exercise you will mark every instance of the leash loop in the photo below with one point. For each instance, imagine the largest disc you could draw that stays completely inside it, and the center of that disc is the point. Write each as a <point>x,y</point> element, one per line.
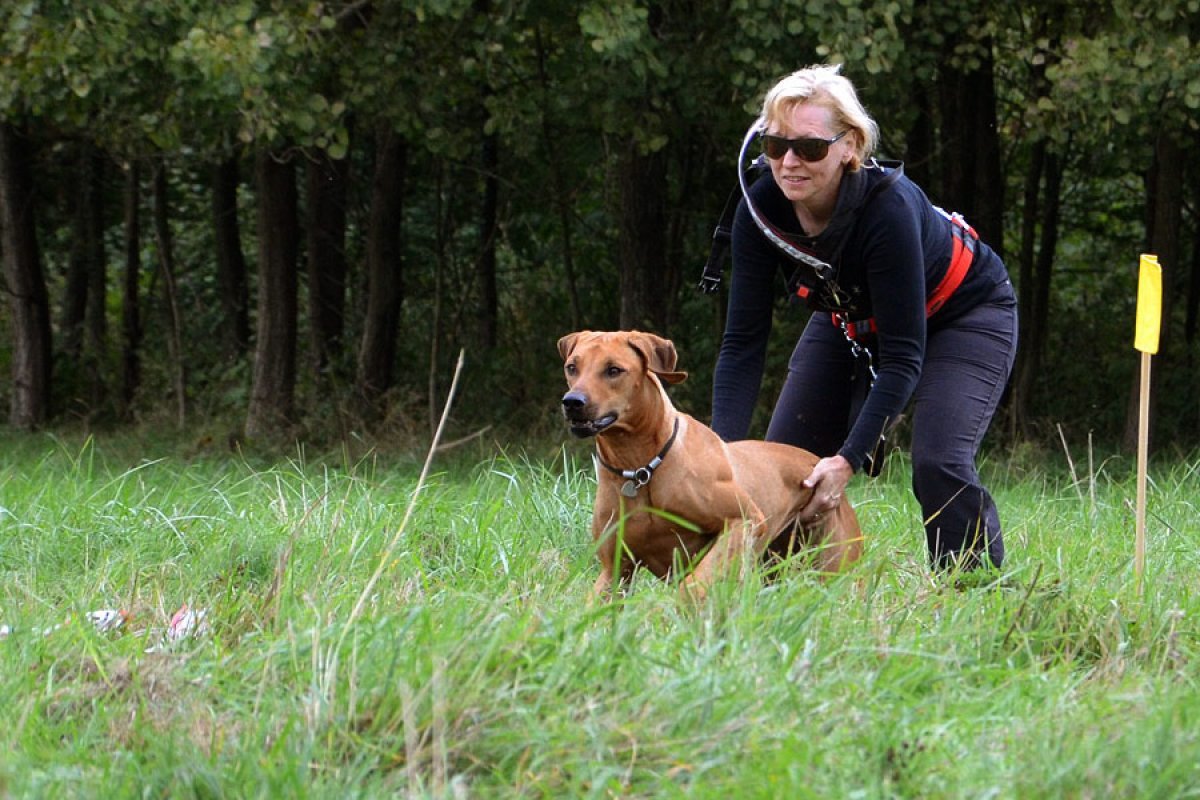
<point>857,348</point>
<point>640,476</point>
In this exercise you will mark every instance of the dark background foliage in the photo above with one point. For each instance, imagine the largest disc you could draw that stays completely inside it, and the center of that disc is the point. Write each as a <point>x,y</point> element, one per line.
<point>279,220</point>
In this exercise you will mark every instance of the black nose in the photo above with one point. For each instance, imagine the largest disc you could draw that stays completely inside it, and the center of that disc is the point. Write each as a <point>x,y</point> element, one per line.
<point>574,401</point>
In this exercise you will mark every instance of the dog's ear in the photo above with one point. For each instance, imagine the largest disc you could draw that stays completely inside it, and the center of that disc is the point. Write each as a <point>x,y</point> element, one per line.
<point>567,343</point>
<point>660,356</point>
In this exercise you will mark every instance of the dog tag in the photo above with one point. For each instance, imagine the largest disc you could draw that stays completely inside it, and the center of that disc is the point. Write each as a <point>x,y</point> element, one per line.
<point>629,489</point>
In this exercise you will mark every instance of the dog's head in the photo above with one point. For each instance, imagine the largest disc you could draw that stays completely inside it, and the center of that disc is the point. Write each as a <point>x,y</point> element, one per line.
<point>608,374</point>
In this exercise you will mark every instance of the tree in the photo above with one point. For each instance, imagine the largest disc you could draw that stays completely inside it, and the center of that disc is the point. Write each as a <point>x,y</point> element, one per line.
<point>385,286</point>
<point>327,181</point>
<point>272,395</point>
<point>1164,218</point>
<point>1145,53</point>
<point>25,284</point>
<point>521,167</point>
<point>232,290</point>
<point>165,243</point>
<point>1040,214</point>
<point>131,315</point>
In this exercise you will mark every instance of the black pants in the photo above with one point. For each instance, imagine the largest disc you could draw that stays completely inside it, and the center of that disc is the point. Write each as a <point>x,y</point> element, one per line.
<point>967,364</point>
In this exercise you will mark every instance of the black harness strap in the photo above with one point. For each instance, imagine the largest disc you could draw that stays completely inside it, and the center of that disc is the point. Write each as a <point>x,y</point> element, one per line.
<point>714,268</point>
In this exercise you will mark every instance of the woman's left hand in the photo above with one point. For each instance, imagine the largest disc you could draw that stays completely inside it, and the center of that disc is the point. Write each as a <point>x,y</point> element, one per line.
<point>828,481</point>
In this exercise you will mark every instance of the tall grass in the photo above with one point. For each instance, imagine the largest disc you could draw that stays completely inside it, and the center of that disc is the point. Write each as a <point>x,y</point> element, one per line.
<point>475,667</point>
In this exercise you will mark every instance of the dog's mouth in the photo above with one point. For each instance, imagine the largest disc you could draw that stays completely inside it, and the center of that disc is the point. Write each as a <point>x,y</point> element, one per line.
<point>583,428</point>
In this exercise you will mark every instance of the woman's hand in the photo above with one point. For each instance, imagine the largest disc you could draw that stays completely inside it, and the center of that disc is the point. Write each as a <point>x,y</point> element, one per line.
<point>828,481</point>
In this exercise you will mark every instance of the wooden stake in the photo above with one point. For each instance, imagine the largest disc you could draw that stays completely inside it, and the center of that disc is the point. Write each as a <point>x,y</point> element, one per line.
<point>1139,560</point>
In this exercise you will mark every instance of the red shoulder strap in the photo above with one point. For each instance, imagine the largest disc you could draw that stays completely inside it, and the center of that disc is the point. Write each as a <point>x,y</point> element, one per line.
<point>963,238</point>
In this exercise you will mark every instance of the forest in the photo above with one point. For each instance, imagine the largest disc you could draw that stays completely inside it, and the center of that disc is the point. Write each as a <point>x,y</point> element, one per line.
<point>285,219</point>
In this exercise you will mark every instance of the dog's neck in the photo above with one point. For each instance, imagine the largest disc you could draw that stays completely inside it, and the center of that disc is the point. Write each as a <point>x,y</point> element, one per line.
<point>635,479</point>
<point>635,445</point>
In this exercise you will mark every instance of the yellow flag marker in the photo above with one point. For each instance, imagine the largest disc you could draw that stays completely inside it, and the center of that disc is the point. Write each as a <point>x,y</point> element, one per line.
<point>1149,305</point>
<point>1145,339</point>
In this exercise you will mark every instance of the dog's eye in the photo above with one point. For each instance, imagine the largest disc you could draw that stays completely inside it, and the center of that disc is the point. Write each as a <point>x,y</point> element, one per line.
<point>570,368</point>
<point>614,371</point>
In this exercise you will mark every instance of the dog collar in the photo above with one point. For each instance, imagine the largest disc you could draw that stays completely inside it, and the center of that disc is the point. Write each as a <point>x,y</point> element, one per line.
<point>637,478</point>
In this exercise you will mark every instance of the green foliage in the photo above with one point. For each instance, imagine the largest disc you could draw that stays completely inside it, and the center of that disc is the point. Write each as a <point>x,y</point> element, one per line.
<point>563,90</point>
<point>1144,52</point>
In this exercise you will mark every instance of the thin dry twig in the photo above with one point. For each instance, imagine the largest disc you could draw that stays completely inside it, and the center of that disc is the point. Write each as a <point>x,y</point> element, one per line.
<point>1021,608</point>
<point>1070,462</point>
<point>386,555</point>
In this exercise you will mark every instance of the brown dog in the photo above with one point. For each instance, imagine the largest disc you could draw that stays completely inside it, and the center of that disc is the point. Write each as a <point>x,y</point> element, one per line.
<point>658,465</point>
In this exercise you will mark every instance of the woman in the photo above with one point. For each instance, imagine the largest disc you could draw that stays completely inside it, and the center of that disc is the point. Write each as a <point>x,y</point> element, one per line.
<point>887,250</point>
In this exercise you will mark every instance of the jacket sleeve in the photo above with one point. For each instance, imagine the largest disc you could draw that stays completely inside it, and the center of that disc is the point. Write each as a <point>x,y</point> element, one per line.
<point>892,252</point>
<point>752,290</point>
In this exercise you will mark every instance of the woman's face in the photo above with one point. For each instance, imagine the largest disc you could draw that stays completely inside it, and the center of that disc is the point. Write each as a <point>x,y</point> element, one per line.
<point>812,184</point>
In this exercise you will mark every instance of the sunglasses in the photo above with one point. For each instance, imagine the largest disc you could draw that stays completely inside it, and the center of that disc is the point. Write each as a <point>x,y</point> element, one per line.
<point>809,149</point>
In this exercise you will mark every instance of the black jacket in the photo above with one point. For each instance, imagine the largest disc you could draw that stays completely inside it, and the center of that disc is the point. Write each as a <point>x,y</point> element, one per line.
<point>889,248</point>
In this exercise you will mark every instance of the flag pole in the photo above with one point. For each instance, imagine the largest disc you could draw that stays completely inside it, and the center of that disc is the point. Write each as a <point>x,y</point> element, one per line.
<point>1149,323</point>
<point>1143,456</point>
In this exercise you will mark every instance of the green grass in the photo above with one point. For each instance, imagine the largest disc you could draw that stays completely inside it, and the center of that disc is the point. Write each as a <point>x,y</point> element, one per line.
<point>359,650</point>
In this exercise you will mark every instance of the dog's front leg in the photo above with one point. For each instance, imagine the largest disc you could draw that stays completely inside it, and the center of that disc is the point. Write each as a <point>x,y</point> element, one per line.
<point>602,588</point>
<point>605,543</point>
<point>605,534</point>
<point>742,544</point>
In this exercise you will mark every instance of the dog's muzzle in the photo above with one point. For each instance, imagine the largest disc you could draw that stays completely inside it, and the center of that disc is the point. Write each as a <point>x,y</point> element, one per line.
<point>578,413</point>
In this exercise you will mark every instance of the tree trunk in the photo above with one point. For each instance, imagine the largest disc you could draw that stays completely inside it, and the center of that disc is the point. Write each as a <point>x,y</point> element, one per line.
<point>166,263</point>
<point>642,240</point>
<point>326,227</point>
<point>96,325</point>
<point>231,261</point>
<point>272,396</point>
<point>83,317</point>
<point>385,290</point>
<point>974,183</point>
<point>1023,373</point>
<point>73,311</point>
<point>919,143</point>
<point>1035,265</point>
<point>1044,266</point>
<point>489,312</point>
<point>920,140</point>
<point>25,285</point>
<point>131,316</point>
<point>1193,295</point>
<point>1164,187</point>
<point>562,197</point>
<point>1036,280</point>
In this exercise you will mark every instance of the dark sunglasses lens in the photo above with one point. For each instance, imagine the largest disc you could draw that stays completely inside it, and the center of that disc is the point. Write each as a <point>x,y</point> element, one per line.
<point>811,149</point>
<point>775,146</point>
<point>806,149</point>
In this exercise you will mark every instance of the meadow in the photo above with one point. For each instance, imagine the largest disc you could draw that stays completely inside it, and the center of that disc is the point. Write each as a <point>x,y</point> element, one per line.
<point>360,632</point>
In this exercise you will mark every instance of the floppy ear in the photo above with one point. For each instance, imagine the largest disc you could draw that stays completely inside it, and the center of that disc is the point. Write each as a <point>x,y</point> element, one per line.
<point>659,354</point>
<point>567,343</point>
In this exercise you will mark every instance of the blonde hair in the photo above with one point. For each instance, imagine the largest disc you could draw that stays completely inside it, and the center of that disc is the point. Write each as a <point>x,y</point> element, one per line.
<point>824,85</point>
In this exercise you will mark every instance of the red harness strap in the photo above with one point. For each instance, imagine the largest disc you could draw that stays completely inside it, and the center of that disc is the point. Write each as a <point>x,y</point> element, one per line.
<point>964,238</point>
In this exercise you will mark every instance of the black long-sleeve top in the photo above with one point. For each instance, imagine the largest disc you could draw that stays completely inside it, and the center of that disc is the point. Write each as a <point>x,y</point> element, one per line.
<point>889,248</point>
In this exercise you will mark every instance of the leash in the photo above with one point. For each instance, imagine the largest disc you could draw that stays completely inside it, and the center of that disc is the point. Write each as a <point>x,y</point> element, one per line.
<point>637,478</point>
